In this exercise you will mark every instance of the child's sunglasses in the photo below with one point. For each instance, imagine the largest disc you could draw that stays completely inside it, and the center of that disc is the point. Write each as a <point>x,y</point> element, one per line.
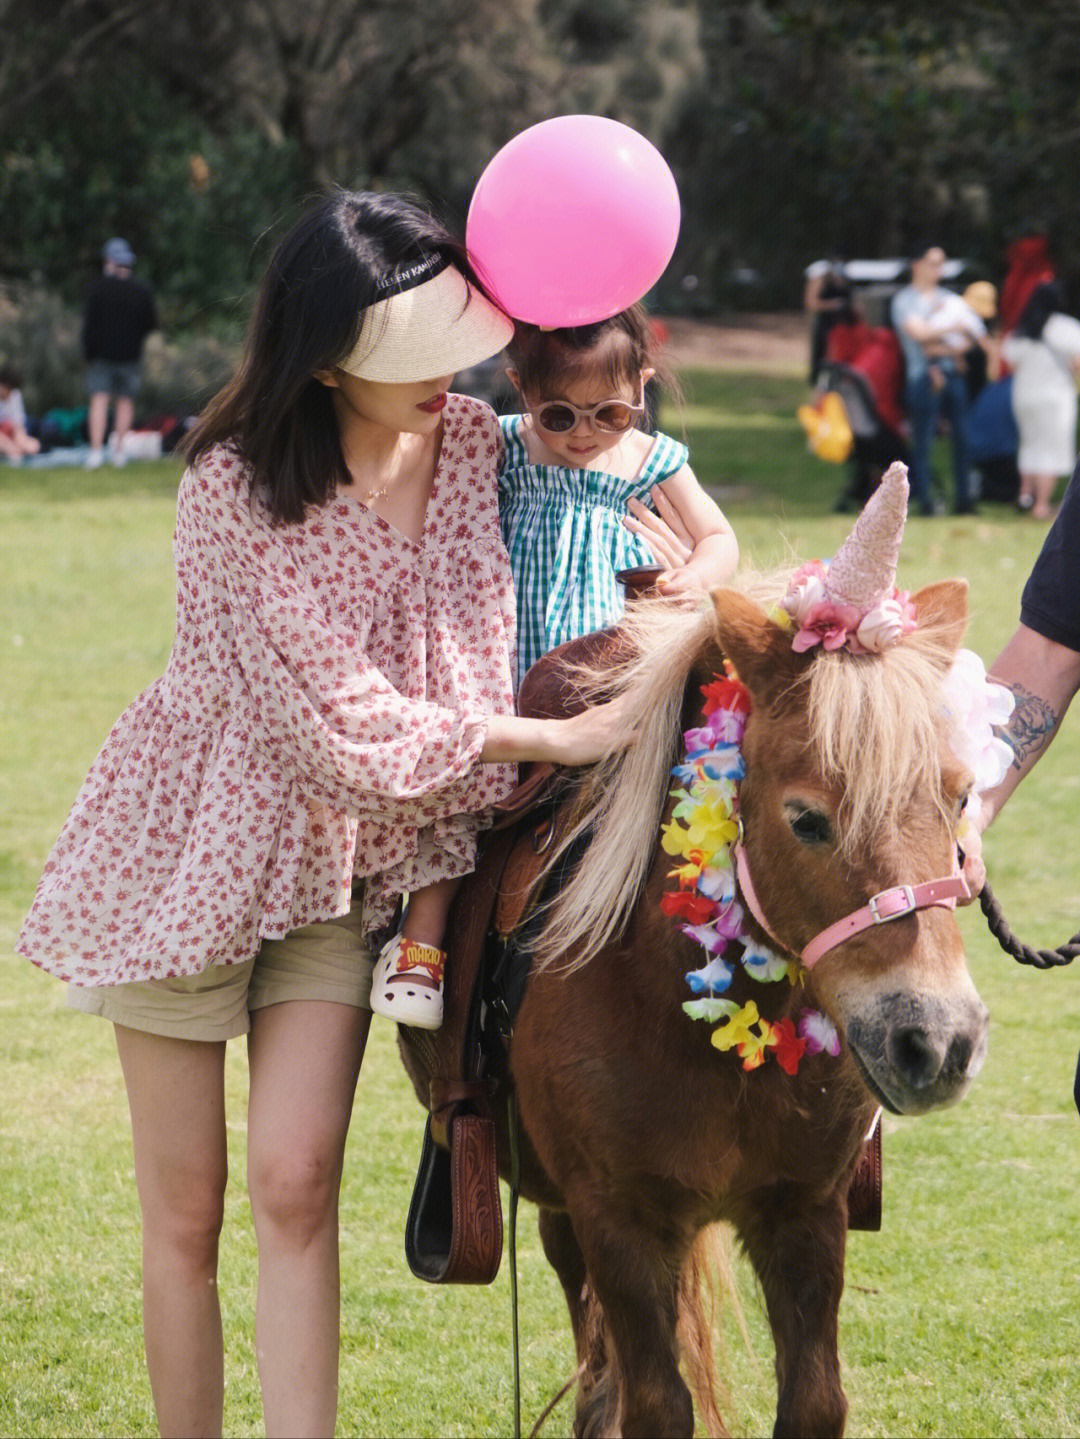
<point>558,417</point>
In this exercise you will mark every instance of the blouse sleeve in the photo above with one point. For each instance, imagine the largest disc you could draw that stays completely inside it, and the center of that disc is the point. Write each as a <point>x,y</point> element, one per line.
<point>318,705</point>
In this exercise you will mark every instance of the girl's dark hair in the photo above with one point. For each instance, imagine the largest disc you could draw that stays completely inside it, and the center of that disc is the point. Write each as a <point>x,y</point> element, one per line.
<point>308,313</point>
<point>1045,300</point>
<point>10,377</point>
<point>618,349</point>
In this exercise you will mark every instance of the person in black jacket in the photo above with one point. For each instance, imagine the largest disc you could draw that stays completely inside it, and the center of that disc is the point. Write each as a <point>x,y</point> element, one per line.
<point>119,315</point>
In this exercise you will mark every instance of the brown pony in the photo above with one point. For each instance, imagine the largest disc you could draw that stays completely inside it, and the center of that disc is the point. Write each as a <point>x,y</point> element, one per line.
<point>636,1133</point>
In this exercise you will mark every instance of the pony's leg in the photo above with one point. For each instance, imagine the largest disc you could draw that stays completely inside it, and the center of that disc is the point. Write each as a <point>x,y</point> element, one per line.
<point>635,1277</point>
<point>799,1258</point>
<point>564,1255</point>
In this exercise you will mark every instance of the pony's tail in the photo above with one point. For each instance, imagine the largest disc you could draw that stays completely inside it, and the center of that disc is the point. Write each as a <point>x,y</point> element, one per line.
<point>707,1279</point>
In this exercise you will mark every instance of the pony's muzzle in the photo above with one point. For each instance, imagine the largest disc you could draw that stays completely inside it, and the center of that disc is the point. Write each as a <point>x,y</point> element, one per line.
<point>918,1053</point>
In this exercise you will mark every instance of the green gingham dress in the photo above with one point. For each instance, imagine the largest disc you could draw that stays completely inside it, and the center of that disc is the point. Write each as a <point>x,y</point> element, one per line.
<point>564,532</point>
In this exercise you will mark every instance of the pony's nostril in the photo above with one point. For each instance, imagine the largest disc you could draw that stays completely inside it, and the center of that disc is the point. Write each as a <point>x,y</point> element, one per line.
<point>913,1054</point>
<point>960,1052</point>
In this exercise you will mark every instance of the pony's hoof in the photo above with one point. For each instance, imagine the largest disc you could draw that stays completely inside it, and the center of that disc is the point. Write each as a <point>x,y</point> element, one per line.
<point>407,985</point>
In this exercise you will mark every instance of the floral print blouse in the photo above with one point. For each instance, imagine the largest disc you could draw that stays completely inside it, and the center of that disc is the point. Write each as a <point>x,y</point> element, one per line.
<point>321,716</point>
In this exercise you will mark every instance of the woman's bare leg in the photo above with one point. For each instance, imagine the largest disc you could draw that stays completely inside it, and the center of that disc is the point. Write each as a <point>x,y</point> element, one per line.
<point>176,1096</point>
<point>304,1061</point>
<point>1042,491</point>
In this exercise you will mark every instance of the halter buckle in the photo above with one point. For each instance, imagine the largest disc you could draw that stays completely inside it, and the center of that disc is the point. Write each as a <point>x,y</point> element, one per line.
<point>897,890</point>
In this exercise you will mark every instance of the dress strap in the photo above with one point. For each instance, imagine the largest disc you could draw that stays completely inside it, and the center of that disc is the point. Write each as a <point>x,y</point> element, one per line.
<point>516,453</point>
<point>665,459</point>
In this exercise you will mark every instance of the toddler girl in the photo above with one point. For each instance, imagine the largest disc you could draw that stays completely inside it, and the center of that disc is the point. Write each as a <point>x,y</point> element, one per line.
<point>585,491</point>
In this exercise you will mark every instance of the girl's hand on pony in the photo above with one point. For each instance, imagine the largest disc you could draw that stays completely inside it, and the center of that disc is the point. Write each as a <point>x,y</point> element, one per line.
<point>667,537</point>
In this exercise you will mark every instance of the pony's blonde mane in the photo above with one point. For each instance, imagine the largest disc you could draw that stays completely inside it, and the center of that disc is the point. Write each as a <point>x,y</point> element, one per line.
<point>874,727</point>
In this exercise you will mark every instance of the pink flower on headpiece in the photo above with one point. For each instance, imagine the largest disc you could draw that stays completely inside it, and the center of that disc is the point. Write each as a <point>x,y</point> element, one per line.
<point>886,623</point>
<point>806,589</point>
<point>828,624</point>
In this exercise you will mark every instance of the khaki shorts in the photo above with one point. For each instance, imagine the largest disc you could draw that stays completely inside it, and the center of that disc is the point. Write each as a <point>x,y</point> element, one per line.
<point>331,960</point>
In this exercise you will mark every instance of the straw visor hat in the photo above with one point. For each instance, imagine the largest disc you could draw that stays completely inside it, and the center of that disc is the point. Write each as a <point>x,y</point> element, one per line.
<point>430,323</point>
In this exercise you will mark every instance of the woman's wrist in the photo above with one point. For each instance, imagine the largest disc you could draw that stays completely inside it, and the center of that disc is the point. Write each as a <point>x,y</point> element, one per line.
<point>511,739</point>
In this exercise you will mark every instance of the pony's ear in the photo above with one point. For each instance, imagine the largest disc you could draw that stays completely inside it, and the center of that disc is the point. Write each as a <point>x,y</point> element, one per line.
<point>758,648</point>
<point>943,609</point>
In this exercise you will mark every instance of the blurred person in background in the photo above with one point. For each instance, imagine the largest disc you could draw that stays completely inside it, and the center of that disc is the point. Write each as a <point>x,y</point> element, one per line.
<point>15,441</point>
<point>826,296</point>
<point>936,329</point>
<point>1044,353</point>
<point>119,314</point>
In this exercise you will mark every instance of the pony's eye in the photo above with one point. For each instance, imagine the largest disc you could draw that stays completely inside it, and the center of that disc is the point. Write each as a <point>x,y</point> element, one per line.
<point>810,826</point>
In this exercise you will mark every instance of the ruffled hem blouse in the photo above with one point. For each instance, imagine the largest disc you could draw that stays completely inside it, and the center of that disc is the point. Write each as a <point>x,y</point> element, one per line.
<point>564,531</point>
<point>320,718</point>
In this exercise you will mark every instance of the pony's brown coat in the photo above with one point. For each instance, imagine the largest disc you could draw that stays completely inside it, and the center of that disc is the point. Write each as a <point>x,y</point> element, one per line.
<point>636,1133</point>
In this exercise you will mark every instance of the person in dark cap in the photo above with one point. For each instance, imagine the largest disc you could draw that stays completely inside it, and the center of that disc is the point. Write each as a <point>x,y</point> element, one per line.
<point>119,315</point>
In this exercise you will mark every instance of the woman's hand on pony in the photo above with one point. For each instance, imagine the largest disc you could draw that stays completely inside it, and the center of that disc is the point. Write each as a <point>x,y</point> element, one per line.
<point>583,738</point>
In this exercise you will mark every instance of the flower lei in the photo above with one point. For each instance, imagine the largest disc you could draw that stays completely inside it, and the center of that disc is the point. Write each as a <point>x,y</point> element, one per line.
<point>702,832</point>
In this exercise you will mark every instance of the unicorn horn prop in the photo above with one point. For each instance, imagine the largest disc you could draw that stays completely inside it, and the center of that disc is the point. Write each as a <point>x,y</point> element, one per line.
<point>853,601</point>
<point>863,570</point>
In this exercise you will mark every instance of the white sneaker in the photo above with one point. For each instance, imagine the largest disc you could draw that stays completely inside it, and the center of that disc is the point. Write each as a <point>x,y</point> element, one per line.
<point>407,985</point>
<point>94,460</point>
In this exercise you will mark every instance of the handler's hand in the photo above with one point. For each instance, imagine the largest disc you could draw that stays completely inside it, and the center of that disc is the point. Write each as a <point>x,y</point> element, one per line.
<point>973,868</point>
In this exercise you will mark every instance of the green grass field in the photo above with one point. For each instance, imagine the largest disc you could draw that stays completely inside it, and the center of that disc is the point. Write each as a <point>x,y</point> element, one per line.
<point>961,1317</point>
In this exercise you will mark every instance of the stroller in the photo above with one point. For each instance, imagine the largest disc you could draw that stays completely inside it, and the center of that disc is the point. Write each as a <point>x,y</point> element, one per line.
<point>868,387</point>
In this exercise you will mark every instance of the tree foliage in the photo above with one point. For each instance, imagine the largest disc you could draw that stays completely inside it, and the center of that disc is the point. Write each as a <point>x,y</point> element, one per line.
<point>795,127</point>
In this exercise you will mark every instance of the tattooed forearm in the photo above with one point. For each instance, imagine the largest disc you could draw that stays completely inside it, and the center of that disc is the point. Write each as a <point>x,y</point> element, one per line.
<point>1030,725</point>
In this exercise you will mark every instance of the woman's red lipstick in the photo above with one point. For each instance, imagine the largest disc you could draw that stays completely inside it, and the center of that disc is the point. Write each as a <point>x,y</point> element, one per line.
<point>434,405</point>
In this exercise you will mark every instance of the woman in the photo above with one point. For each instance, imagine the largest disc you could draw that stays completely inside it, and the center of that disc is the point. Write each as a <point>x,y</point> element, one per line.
<point>334,721</point>
<point>1044,353</point>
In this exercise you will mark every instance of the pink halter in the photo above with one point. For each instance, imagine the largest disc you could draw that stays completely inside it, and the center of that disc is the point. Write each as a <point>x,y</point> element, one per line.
<point>888,904</point>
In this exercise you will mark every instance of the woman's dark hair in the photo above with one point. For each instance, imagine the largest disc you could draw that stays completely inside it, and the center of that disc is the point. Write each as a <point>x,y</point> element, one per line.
<point>10,377</point>
<point>308,313</point>
<point>1046,299</point>
<point>619,348</point>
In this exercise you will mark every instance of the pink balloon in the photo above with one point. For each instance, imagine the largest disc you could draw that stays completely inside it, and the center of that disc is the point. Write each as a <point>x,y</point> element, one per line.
<point>573,220</point>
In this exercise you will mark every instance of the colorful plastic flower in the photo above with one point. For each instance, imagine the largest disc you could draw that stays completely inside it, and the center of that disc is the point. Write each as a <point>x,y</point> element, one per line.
<point>687,904</point>
<point>819,1032</point>
<point>738,1029</point>
<point>753,1048</point>
<point>714,977</point>
<point>710,1009</point>
<point>726,694</point>
<point>717,880</point>
<point>790,1046</point>
<point>710,827</point>
<point>711,941</point>
<point>761,964</point>
<point>674,839</point>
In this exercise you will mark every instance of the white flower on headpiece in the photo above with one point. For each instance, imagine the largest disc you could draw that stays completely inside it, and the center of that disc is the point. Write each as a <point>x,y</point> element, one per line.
<point>973,705</point>
<point>807,588</point>
<point>881,626</point>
